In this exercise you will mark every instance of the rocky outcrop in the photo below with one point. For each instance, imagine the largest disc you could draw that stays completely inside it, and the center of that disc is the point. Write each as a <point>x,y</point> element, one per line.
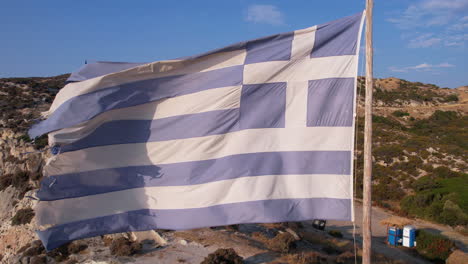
<point>17,157</point>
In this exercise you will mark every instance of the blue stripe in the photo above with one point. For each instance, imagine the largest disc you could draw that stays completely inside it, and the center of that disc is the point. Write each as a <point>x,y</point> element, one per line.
<point>330,102</point>
<point>195,172</point>
<point>266,211</point>
<point>178,127</point>
<point>84,107</point>
<point>263,105</point>
<point>271,48</point>
<point>99,68</point>
<point>339,37</point>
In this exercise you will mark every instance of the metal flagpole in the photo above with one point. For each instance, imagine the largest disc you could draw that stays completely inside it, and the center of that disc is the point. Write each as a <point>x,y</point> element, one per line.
<point>367,202</point>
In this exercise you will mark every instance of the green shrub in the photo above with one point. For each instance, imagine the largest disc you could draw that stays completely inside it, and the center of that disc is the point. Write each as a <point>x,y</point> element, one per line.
<point>433,247</point>
<point>335,233</point>
<point>399,113</point>
<point>387,191</point>
<point>424,154</point>
<point>444,172</point>
<point>25,138</point>
<point>441,200</point>
<point>387,121</point>
<point>451,98</point>
<point>410,166</point>
<point>388,152</point>
<point>427,167</point>
<point>446,129</point>
<point>41,142</point>
<point>425,183</point>
<point>452,214</point>
<point>416,143</point>
<point>455,190</point>
<point>382,172</point>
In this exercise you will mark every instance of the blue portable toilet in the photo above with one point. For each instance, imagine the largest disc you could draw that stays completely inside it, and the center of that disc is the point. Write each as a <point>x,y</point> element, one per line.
<point>409,236</point>
<point>394,236</point>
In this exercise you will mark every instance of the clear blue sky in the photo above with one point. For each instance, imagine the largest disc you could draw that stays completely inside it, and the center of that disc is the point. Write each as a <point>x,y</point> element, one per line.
<point>423,40</point>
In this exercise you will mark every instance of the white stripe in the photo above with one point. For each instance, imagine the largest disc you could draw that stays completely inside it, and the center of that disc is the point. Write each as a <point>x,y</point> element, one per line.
<point>303,42</point>
<point>204,101</point>
<point>194,196</point>
<point>296,104</point>
<point>203,148</point>
<point>304,69</point>
<point>149,71</point>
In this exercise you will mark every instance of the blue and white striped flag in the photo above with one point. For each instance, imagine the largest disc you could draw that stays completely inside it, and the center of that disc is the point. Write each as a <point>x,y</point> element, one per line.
<point>259,131</point>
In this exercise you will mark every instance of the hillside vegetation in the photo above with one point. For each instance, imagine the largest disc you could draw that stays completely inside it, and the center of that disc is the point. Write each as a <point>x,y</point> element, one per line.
<point>420,149</point>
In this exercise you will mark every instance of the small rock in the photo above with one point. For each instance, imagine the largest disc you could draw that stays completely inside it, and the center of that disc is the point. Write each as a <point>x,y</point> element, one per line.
<point>293,233</point>
<point>223,256</point>
<point>282,242</point>
<point>24,260</point>
<point>34,250</point>
<point>183,242</point>
<point>36,243</point>
<point>38,260</point>
<point>149,235</point>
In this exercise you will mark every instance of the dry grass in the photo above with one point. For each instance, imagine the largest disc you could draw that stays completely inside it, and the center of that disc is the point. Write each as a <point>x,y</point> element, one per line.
<point>282,242</point>
<point>124,247</point>
<point>396,221</point>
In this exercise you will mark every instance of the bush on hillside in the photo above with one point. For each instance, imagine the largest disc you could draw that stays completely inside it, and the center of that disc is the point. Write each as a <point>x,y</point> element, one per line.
<point>425,183</point>
<point>433,247</point>
<point>440,195</point>
<point>444,173</point>
<point>391,123</point>
<point>23,216</point>
<point>451,98</point>
<point>223,256</point>
<point>410,167</point>
<point>399,113</point>
<point>416,143</point>
<point>388,152</point>
<point>381,173</point>
<point>384,191</point>
<point>434,206</point>
<point>452,214</point>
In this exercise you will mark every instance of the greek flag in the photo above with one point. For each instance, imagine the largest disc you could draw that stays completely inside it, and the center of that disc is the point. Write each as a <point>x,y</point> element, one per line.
<point>260,131</point>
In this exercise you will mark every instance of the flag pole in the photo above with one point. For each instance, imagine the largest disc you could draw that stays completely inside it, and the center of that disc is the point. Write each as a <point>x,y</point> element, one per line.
<point>367,178</point>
